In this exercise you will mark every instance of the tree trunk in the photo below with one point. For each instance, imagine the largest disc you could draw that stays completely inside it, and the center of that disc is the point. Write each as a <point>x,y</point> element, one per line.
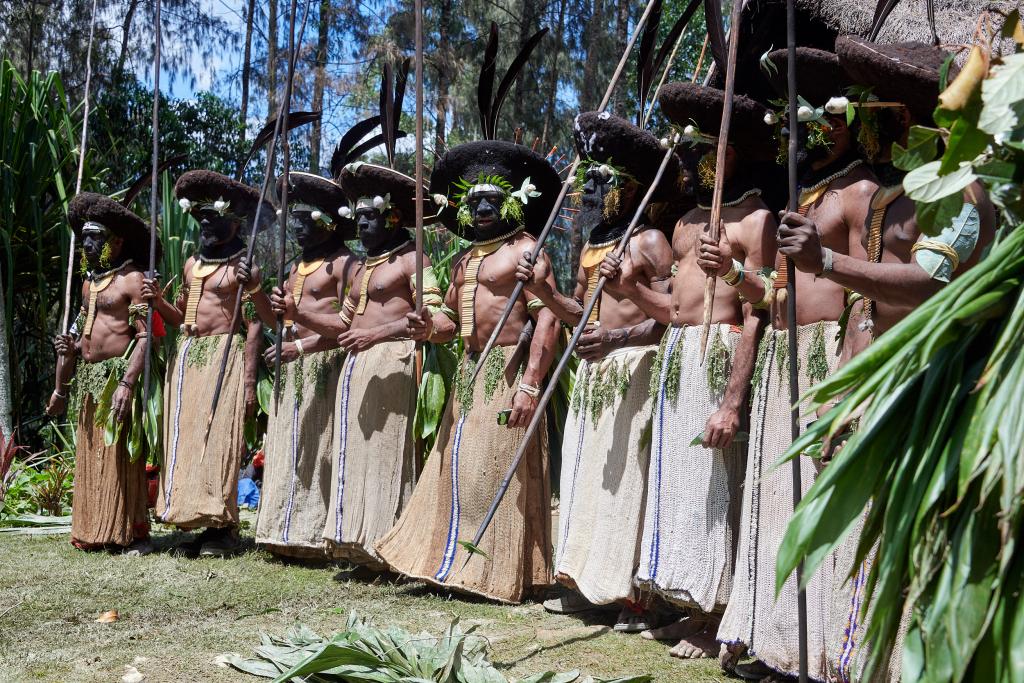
<point>444,65</point>
<point>621,27</point>
<point>246,74</point>
<point>524,83</point>
<point>319,81</point>
<point>31,39</point>
<point>589,98</point>
<point>549,109</point>
<point>271,58</point>
<point>126,29</point>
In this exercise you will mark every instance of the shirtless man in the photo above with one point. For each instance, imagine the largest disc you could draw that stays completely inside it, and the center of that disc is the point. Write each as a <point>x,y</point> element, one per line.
<point>373,460</point>
<point>601,514</point>
<point>298,447</point>
<point>908,268</point>
<point>835,191</point>
<point>694,490</point>
<point>199,481</point>
<point>500,194</point>
<point>109,495</point>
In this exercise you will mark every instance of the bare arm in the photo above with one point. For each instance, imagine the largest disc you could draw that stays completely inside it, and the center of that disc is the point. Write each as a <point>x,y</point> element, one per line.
<point>535,276</point>
<point>253,341</point>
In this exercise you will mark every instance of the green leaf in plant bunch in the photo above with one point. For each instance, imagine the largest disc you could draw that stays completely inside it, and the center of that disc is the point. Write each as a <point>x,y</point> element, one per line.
<point>922,146</point>
<point>739,437</point>
<point>1002,95</point>
<point>265,394</point>
<point>965,143</point>
<point>924,184</point>
<point>432,400</point>
<point>932,217</point>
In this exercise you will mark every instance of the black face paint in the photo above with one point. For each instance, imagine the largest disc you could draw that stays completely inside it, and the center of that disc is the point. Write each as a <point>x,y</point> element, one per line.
<point>375,233</point>
<point>485,207</point>
<point>595,188</point>
<point>93,242</point>
<point>215,229</point>
<point>311,234</point>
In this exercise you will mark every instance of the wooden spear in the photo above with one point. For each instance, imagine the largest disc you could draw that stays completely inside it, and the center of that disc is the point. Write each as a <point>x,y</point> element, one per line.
<point>563,362</point>
<point>282,222</point>
<point>794,380</point>
<point>715,226</point>
<point>419,201</point>
<point>151,273</point>
<point>267,172</point>
<point>556,208</point>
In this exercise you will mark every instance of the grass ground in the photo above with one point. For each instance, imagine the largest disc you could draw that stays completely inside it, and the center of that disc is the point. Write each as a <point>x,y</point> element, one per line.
<point>176,615</point>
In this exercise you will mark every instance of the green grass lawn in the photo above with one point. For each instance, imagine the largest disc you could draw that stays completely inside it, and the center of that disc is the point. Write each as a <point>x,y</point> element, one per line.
<point>176,615</point>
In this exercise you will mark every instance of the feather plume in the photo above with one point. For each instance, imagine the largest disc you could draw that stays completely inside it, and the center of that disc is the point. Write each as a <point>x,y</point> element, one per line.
<point>510,76</point>
<point>387,106</point>
<point>343,151</point>
<point>645,59</point>
<point>295,119</point>
<point>367,146</point>
<point>485,86</point>
<point>146,178</point>
<point>716,34</point>
<point>673,36</point>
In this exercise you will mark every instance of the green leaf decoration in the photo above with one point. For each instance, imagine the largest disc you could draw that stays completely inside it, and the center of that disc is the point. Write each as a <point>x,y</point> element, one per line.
<point>922,146</point>
<point>964,144</point>
<point>924,184</point>
<point>932,218</point>
<point>472,549</point>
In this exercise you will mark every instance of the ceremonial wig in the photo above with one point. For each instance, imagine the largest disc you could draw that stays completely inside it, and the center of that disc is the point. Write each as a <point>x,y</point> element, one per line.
<point>322,198</point>
<point>907,73</point>
<point>698,110</point>
<point>228,197</point>
<point>528,181</point>
<point>624,153</point>
<point>89,207</point>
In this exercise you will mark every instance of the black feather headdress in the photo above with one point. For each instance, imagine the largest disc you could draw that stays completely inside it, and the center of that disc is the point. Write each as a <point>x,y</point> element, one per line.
<point>488,100</point>
<point>649,61</point>
<point>295,120</point>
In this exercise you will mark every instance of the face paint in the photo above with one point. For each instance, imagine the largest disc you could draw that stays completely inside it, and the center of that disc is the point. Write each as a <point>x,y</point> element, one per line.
<point>215,229</point>
<point>373,228</point>
<point>308,233</point>
<point>94,243</point>
<point>485,208</point>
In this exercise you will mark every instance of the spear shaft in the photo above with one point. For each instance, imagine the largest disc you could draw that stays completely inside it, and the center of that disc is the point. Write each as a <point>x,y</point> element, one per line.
<point>151,273</point>
<point>419,156</point>
<point>566,184</point>
<point>237,312</point>
<point>794,380</point>
<point>286,107</point>
<point>563,362</point>
<point>715,226</point>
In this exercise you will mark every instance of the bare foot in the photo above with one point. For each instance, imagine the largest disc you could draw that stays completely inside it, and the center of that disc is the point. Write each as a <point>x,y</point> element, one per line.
<point>730,655</point>
<point>687,626</point>
<point>697,646</point>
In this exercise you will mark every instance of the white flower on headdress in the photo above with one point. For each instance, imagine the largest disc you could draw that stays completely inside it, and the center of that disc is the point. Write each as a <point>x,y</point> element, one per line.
<point>606,171</point>
<point>345,211</point>
<point>316,214</point>
<point>771,118</point>
<point>804,113</point>
<point>440,200</point>
<point>690,130</point>
<point>221,206</point>
<point>837,105</point>
<point>185,204</point>
<point>526,191</point>
<point>664,143</point>
<point>382,203</point>
<point>279,212</point>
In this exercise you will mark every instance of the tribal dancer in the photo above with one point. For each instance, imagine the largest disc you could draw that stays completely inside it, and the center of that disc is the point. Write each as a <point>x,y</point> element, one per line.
<point>373,466</point>
<point>500,194</point>
<point>700,401</point>
<point>607,437</point>
<point>903,268</point>
<point>199,482</point>
<point>108,507</point>
<point>835,190</point>
<point>298,446</point>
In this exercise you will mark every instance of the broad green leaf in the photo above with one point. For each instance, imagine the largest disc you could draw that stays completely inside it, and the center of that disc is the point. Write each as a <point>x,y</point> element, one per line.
<point>922,146</point>
<point>964,144</point>
<point>933,217</point>
<point>924,184</point>
<point>265,394</point>
<point>1002,95</point>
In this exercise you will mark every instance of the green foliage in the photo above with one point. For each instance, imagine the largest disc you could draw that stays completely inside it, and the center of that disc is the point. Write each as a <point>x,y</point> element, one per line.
<point>933,469</point>
<point>364,653</point>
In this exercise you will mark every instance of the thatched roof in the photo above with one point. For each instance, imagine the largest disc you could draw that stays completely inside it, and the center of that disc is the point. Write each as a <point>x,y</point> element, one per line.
<point>819,22</point>
<point>955,20</point>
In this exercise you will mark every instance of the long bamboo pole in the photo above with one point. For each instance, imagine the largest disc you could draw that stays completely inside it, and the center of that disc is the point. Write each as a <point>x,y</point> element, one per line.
<point>563,362</point>
<point>715,226</point>
<point>267,173</point>
<point>147,368</point>
<point>566,184</point>
<point>794,381</point>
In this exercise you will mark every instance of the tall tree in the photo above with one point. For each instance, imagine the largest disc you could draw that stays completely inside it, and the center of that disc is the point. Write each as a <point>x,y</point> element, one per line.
<point>246,70</point>
<point>319,81</point>
<point>621,38</point>
<point>271,57</point>
<point>551,104</point>
<point>443,64</point>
